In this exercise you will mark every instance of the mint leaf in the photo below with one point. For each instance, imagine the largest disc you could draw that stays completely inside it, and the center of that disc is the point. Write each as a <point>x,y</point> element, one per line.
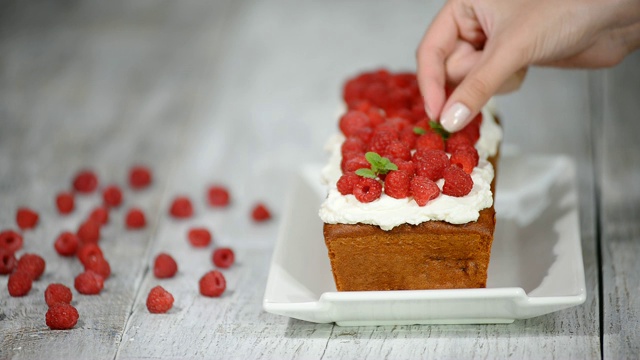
<point>437,127</point>
<point>372,157</point>
<point>418,130</point>
<point>364,172</point>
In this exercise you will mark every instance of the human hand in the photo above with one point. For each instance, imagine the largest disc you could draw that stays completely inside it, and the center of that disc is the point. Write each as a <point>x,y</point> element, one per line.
<point>485,47</point>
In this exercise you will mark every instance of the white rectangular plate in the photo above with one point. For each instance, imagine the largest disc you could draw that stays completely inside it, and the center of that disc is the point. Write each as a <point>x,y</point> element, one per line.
<point>536,262</point>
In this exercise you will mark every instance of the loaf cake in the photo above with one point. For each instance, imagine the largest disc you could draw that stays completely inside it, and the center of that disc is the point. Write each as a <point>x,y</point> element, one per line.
<point>409,205</point>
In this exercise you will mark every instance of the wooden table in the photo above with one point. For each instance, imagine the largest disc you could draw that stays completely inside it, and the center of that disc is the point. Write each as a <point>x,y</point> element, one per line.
<point>242,93</point>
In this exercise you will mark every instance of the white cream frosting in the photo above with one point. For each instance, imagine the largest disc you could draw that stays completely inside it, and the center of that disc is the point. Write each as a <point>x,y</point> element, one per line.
<point>387,212</point>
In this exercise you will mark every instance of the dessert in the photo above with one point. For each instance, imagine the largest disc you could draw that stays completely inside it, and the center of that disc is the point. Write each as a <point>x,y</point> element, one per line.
<point>409,205</point>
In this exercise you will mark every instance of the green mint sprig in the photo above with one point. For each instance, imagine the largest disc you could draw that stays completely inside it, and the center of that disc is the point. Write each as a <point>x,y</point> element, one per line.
<point>437,127</point>
<point>419,131</point>
<point>379,166</point>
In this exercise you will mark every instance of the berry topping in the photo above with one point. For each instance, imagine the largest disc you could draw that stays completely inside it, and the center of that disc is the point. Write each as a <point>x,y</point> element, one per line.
<point>8,261</point>
<point>397,150</point>
<point>10,241</point>
<point>396,184</point>
<point>99,265</point>
<point>424,189</point>
<point>89,231</point>
<point>223,257</point>
<point>367,190</point>
<point>65,202</point>
<point>31,264</point>
<point>181,208</point>
<point>457,139</point>
<point>352,121</point>
<point>164,266</point>
<point>381,139</point>
<point>346,182</point>
<point>26,218</point>
<point>430,141</point>
<point>112,196</point>
<point>199,237</point>
<point>135,219</point>
<point>456,182</point>
<point>62,317</point>
<point>407,166</point>
<point>139,177</point>
<point>465,157</point>
<point>100,215</point>
<point>218,196</point>
<point>66,244</point>
<point>260,213</point>
<point>19,283</point>
<point>159,300</point>
<point>431,163</point>
<point>408,137</point>
<point>85,182</point>
<point>57,294</point>
<point>89,283</point>
<point>353,144</point>
<point>212,284</point>
<point>356,163</point>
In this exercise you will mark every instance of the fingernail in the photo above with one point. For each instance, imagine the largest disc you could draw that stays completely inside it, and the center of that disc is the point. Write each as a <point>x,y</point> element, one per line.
<point>455,118</point>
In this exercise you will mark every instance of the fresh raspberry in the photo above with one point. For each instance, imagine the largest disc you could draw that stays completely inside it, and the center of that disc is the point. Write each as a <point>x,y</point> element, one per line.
<point>89,231</point>
<point>181,208</point>
<point>57,294</point>
<point>62,317</point>
<point>377,93</point>
<point>360,105</point>
<point>356,163</point>
<point>99,265</point>
<point>457,139</point>
<point>19,283</point>
<point>402,79</point>
<point>398,124</point>
<point>8,261</point>
<point>408,137</point>
<point>422,124</point>
<point>164,266</point>
<point>212,284</point>
<point>397,150</point>
<point>366,190</point>
<point>472,131</point>
<point>89,283</point>
<point>376,116</point>
<point>89,251</point>
<point>407,166</point>
<point>260,213</point>
<point>456,182</point>
<point>112,196</point>
<point>381,139</point>
<point>353,144</point>
<point>396,184</point>
<point>10,241</point>
<point>85,181</point>
<point>353,90</point>
<point>31,264</point>
<point>424,190</point>
<point>431,163</point>
<point>139,177</point>
<point>223,257</point>
<point>100,215</point>
<point>159,300</point>
<point>66,244</point>
<point>403,113</point>
<point>135,219</point>
<point>26,218</point>
<point>218,196</point>
<point>346,182</point>
<point>352,121</point>
<point>430,141</point>
<point>363,134</point>
<point>65,202</point>
<point>199,237</point>
<point>465,157</point>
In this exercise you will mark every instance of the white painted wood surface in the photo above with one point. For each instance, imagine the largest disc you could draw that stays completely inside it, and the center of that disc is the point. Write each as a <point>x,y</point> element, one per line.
<point>241,93</point>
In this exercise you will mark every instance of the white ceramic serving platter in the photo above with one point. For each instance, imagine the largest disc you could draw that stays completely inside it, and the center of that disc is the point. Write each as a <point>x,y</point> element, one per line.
<point>536,263</point>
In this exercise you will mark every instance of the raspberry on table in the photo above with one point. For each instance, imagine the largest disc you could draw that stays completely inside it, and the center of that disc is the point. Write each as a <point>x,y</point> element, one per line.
<point>396,184</point>
<point>218,196</point>
<point>367,190</point>
<point>223,257</point>
<point>62,317</point>
<point>85,181</point>
<point>66,244</point>
<point>89,231</point>
<point>430,141</point>
<point>346,182</point>
<point>139,177</point>
<point>397,150</point>
<point>26,218</point>
<point>89,283</point>
<point>99,265</point>
<point>135,219</point>
<point>164,266</point>
<point>431,163</point>
<point>100,215</point>
<point>212,284</point>
<point>112,196</point>
<point>466,157</point>
<point>65,202</point>
<point>352,121</point>
<point>181,207</point>
<point>88,251</point>
<point>57,294</point>
<point>260,213</point>
<point>19,283</point>
<point>159,300</point>
<point>10,241</point>
<point>199,237</point>
<point>424,190</point>
<point>456,182</point>
<point>32,264</point>
<point>8,261</point>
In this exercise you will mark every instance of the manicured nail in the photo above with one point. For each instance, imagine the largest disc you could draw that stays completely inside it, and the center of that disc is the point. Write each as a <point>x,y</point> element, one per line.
<point>455,118</point>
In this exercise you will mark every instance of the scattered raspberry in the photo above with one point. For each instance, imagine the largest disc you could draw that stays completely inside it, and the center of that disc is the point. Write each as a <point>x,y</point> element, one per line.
<point>112,196</point>
<point>431,163</point>
<point>89,231</point>
<point>139,177</point>
<point>19,283</point>
<point>8,261</point>
<point>397,150</point>
<point>159,300</point>
<point>218,196</point>
<point>181,208</point>
<point>89,251</point>
<point>352,121</point>
<point>62,317</point>
<point>223,257</point>
<point>456,182</point>
<point>212,284</point>
<point>353,144</point>
<point>260,213</point>
<point>57,294</point>
<point>355,163</point>
<point>346,182</point>
<point>407,166</point>
<point>164,266</point>
<point>430,141</point>
<point>396,184</point>
<point>10,241</point>
<point>89,283</point>
<point>424,190</point>
<point>367,189</point>
<point>26,218</point>
<point>199,237</point>
<point>465,157</point>
<point>457,139</point>
<point>85,182</point>
<point>100,215</point>
<point>66,244</point>
<point>381,139</point>
<point>31,264</point>
<point>135,219</point>
<point>65,202</point>
<point>98,265</point>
